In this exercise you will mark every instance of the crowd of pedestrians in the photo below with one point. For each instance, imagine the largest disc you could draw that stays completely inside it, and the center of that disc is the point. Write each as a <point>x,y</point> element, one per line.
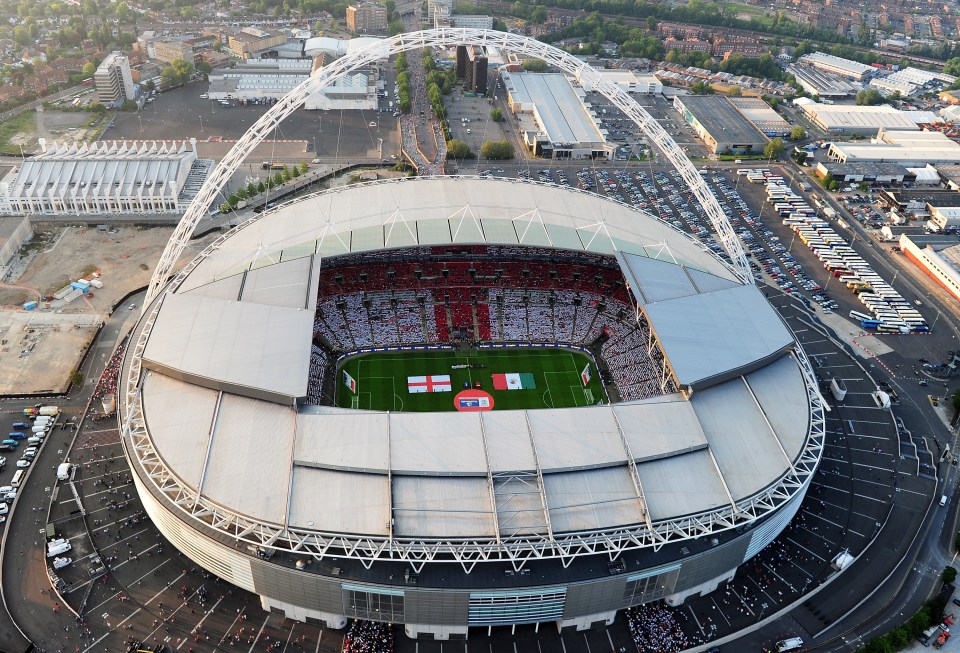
<point>655,628</point>
<point>107,385</point>
<point>368,637</point>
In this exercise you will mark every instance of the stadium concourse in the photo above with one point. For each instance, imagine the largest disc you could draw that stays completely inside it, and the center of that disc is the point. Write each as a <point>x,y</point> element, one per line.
<point>696,459</point>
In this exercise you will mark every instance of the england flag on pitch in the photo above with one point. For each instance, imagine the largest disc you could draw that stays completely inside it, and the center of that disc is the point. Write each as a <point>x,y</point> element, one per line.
<point>435,383</point>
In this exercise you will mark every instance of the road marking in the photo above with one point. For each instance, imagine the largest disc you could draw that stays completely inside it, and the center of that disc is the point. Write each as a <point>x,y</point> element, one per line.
<point>260,632</point>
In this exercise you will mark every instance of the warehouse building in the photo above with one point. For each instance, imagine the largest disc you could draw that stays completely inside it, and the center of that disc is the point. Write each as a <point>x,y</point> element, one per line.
<point>820,83</point>
<point>761,115</point>
<point>270,79</point>
<point>721,126</point>
<point>937,257</point>
<point>911,149</point>
<point>911,81</point>
<point>863,120</point>
<point>838,65</point>
<point>872,172</point>
<point>554,122</point>
<point>144,177</point>
<point>628,81</point>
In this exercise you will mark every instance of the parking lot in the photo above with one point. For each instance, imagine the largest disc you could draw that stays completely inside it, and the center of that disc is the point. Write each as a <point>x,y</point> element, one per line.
<point>181,114</point>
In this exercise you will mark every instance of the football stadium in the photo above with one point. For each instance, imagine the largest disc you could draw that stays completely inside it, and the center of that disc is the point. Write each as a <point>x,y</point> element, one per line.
<point>461,402</point>
<point>458,402</point>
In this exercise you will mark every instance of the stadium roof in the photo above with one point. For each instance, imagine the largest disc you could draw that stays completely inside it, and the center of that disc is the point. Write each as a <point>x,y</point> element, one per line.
<point>230,344</point>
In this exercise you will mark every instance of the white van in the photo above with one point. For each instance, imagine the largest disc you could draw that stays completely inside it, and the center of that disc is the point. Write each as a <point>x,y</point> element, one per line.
<point>943,500</point>
<point>57,547</point>
<point>63,471</point>
<point>791,644</point>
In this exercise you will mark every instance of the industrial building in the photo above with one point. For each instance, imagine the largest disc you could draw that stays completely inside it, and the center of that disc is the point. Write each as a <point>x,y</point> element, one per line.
<point>838,65</point>
<point>187,48</point>
<point>251,41</point>
<point>114,81</point>
<point>937,257</point>
<point>629,81</point>
<point>722,127</point>
<point>761,115</point>
<point>259,79</point>
<point>367,18</point>
<point>863,120</point>
<point>103,178</point>
<point>820,83</point>
<point>554,122</point>
<point>868,171</point>
<point>911,81</point>
<point>910,149</point>
<point>443,521</point>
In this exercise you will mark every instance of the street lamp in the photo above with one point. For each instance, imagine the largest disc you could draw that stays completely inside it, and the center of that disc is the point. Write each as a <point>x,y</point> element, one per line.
<point>201,123</point>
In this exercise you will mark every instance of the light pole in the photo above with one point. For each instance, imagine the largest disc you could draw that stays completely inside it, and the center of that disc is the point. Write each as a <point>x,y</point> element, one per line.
<point>140,120</point>
<point>201,123</point>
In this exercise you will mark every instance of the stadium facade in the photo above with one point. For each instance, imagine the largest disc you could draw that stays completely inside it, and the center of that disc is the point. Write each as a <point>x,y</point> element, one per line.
<point>446,521</point>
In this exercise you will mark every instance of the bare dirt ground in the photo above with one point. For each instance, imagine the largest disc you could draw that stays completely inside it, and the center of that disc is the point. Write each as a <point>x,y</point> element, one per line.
<point>40,348</point>
<point>60,126</point>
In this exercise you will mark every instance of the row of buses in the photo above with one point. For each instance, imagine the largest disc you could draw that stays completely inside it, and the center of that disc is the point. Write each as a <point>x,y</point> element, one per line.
<point>886,310</point>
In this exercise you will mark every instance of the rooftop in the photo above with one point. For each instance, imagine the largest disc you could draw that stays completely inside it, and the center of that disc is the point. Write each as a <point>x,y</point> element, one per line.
<point>740,434</point>
<point>561,113</point>
<point>854,68</point>
<point>721,119</point>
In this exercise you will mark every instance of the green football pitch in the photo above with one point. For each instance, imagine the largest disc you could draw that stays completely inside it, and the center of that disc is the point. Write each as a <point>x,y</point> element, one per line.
<point>381,379</point>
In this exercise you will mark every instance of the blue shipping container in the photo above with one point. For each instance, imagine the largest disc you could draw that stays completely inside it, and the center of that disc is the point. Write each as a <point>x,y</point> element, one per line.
<point>29,306</point>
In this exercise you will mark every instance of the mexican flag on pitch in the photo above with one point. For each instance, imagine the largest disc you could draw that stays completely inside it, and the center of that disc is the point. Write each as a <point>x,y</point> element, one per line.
<point>349,381</point>
<point>513,381</point>
<point>435,383</point>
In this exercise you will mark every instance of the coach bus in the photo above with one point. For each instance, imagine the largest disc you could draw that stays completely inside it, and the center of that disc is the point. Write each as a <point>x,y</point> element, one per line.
<point>856,315</point>
<point>869,324</point>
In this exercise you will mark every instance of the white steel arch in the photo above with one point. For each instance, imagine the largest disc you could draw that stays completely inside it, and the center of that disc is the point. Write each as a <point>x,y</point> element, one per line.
<point>443,37</point>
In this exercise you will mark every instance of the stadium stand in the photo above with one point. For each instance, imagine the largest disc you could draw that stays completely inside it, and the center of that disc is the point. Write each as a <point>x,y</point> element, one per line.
<point>481,294</point>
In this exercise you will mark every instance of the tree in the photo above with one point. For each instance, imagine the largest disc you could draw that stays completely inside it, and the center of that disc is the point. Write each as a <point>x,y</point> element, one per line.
<point>232,200</point>
<point>701,88</point>
<point>497,150</point>
<point>798,133</point>
<point>535,65</point>
<point>76,378</point>
<point>496,115</point>
<point>773,149</point>
<point>204,67</point>
<point>251,189</point>
<point>261,187</point>
<point>457,149</point>
<point>89,69</point>
<point>949,575</point>
<point>128,105</point>
<point>868,98</point>
<point>735,91</point>
<point>150,85</point>
<point>242,193</point>
<point>286,173</point>
<point>278,179</point>
<point>952,67</point>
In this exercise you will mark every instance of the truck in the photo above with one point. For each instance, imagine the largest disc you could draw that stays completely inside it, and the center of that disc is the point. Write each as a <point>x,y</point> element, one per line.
<point>60,563</point>
<point>56,547</point>
<point>830,212</point>
<point>931,227</point>
<point>63,471</point>
<point>49,410</point>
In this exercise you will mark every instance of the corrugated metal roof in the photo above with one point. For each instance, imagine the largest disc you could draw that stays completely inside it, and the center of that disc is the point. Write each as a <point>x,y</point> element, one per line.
<point>592,499</point>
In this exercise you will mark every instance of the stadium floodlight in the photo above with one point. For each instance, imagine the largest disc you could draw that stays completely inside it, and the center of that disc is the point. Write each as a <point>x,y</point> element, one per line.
<point>444,37</point>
